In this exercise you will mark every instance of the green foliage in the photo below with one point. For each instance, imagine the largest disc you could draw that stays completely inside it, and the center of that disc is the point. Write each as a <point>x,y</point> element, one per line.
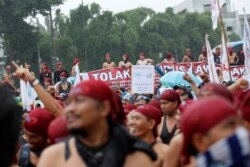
<point>20,38</point>
<point>89,33</point>
<point>233,37</point>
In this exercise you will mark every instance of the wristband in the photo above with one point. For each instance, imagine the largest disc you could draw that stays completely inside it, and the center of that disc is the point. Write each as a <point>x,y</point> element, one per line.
<point>34,82</point>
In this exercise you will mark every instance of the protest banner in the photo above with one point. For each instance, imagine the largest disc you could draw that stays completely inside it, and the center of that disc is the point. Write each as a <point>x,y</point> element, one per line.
<point>119,77</point>
<point>143,79</point>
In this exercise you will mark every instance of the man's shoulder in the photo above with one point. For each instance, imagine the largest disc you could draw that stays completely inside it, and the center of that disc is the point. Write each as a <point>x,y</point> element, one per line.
<point>138,158</point>
<point>52,156</point>
<point>54,149</point>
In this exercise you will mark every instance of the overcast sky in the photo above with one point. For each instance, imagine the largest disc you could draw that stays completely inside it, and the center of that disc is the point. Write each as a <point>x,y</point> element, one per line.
<point>157,5</point>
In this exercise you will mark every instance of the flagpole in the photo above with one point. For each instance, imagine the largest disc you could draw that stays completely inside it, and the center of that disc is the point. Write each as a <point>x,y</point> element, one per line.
<point>225,38</point>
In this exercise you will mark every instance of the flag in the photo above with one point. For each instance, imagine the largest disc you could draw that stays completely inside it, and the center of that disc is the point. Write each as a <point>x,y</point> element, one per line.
<point>211,64</point>
<point>77,75</point>
<point>190,70</point>
<point>216,11</point>
<point>26,101</point>
<point>31,92</point>
<point>246,45</point>
<point>224,59</point>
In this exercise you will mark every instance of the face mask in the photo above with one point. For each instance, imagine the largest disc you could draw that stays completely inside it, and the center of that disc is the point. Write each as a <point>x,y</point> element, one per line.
<point>232,151</point>
<point>63,80</point>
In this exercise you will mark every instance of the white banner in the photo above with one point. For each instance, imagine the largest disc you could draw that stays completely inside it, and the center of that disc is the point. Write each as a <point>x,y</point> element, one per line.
<point>143,79</point>
<point>246,45</point>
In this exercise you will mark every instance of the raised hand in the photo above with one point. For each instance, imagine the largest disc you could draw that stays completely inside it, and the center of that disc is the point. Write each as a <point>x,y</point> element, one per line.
<point>22,73</point>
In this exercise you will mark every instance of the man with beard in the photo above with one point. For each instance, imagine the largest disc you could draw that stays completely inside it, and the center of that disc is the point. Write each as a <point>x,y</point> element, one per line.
<point>59,70</point>
<point>143,124</point>
<point>35,128</point>
<point>98,139</point>
<point>108,64</point>
<point>125,63</point>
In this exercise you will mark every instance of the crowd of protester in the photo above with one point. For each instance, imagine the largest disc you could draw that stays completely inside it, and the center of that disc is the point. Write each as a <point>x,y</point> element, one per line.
<point>91,125</point>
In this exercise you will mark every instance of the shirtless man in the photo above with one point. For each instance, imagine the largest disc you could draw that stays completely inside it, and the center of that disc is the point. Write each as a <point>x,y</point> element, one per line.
<point>232,57</point>
<point>125,63</point>
<point>97,138</point>
<point>203,55</point>
<point>143,124</point>
<point>143,60</point>
<point>108,64</point>
<point>187,57</point>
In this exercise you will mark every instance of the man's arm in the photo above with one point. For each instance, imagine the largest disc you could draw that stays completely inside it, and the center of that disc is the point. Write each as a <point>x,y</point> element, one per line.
<point>49,102</point>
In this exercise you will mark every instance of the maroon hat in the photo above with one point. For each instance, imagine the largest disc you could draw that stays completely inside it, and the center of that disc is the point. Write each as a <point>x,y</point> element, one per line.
<point>58,130</point>
<point>230,49</point>
<point>218,90</point>
<point>150,112</point>
<point>201,116</point>
<point>169,55</point>
<point>37,121</point>
<point>99,91</point>
<point>63,74</point>
<point>170,95</point>
<point>76,60</point>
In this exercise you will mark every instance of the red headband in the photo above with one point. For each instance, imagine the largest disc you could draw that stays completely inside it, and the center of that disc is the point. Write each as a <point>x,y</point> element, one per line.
<point>37,121</point>
<point>150,112</point>
<point>170,95</point>
<point>99,91</point>
<point>58,130</point>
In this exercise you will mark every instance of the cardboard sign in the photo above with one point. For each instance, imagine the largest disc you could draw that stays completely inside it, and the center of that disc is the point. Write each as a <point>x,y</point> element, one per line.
<point>143,79</point>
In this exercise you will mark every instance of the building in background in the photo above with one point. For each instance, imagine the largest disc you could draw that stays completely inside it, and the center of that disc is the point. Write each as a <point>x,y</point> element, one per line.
<point>231,17</point>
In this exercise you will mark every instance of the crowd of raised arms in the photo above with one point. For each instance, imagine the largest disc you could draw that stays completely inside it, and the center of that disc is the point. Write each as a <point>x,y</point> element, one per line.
<point>91,125</point>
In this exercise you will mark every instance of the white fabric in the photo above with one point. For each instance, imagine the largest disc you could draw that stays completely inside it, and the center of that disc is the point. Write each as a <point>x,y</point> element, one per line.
<point>224,59</point>
<point>211,64</point>
<point>215,11</point>
<point>246,45</point>
<point>77,75</point>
